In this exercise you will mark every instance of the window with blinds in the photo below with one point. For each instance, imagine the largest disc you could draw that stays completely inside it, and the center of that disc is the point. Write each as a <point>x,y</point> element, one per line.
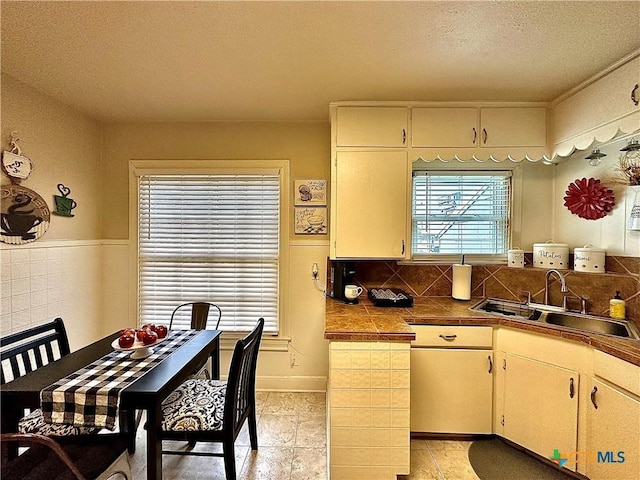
<point>209,238</point>
<point>456,213</point>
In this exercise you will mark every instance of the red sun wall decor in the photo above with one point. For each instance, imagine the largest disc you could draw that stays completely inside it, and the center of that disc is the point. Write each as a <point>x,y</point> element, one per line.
<point>589,198</point>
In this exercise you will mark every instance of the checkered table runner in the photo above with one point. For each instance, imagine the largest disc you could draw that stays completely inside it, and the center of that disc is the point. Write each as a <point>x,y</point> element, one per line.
<point>90,396</point>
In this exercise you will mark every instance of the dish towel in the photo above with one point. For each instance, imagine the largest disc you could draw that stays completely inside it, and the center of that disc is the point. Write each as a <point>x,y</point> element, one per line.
<point>90,397</point>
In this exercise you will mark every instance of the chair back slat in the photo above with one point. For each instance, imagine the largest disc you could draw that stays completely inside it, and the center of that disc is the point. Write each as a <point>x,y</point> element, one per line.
<point>199,314</point>
<point>240,396</point>
<point>26,351</point>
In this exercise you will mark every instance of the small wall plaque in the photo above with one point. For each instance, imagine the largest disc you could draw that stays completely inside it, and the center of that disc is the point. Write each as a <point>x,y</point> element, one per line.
<point>310,192</point>
<point>310,221</point>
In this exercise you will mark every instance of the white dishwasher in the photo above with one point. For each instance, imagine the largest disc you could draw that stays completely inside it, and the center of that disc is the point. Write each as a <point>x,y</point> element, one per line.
<point>452,379</point>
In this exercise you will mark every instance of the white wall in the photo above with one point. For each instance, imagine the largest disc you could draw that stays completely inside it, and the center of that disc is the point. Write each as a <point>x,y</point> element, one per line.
<point>609,232</point>
<point>44,280</point>
<point>59,275</point>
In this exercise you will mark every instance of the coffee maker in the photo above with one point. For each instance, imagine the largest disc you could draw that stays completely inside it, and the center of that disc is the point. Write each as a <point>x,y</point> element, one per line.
<point>342,274</point>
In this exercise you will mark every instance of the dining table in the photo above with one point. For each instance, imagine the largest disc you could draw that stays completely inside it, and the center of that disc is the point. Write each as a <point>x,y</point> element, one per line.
<point>146,393</point>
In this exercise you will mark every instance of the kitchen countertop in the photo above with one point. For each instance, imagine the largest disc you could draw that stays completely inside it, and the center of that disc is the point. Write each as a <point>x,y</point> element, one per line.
<point>364,322</point>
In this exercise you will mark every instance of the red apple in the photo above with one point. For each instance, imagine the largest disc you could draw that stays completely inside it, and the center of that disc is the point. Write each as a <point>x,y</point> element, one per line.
<point>126,340</point>
<point>150,326</point>
<point>131,331</point>
<point>140,333</point>
<point>148,337</point>
<point>161,330</point>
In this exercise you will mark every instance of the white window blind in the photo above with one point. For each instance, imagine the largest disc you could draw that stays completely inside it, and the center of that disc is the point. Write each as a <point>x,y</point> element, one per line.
<point>209,238</point>
<point>460,213</point>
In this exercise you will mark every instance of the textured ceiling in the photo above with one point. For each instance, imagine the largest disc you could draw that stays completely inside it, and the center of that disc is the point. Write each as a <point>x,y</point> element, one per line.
<point>273,61</point>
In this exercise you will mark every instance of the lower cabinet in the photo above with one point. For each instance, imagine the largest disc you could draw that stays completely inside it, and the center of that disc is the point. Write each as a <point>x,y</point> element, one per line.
<point>452,379</point>
<point>540,406</point>
<point>451,390</point>
<point>613,434</point>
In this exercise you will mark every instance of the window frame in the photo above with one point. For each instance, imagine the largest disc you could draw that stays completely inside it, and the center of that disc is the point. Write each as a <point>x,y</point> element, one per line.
<point>138,168</point>
<point>514,230</point>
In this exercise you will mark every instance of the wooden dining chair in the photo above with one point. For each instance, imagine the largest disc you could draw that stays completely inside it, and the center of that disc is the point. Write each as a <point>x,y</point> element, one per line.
<point>26,351</point>
<point>101,457</point>
<point>214,411</point>
<point>199,321</point>
<point>199,314</point>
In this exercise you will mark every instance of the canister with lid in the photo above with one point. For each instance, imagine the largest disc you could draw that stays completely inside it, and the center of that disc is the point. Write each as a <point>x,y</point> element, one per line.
<point>515,258</point>
<point>589,259</point>
<point>551,255</point>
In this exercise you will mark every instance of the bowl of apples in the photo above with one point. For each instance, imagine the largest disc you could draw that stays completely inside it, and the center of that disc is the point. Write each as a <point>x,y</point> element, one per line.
<point>140,340</point>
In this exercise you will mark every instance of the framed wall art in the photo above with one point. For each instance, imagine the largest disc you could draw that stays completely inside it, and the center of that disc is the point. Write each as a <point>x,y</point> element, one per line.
<point>310,221</point>
<point>310,192</point>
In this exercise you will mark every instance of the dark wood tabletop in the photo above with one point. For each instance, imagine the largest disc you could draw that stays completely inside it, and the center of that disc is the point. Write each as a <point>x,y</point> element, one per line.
<point>146,393</point>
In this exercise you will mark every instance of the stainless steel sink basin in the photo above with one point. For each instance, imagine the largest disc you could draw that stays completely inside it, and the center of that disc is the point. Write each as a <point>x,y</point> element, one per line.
<point>576,321</point>
<point>582,322</point>
<point>507,309</point>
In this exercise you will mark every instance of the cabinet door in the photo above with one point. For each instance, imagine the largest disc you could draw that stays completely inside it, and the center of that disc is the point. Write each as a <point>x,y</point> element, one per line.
<point>513,127</point>
<point>369,208</point>
<point>541,406</point>
<point>451,390</point>
<point>613,439</point>
<point>444,127</point>
<point>371,126</point>
<point>607,101</point>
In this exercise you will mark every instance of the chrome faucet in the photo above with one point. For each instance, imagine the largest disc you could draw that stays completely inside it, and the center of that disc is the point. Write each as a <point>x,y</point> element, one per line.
<point>563,284</point>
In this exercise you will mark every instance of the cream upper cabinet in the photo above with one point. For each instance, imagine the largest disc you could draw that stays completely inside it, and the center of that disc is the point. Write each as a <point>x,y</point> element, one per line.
<point>371,126</point>
<point>613,439</point>
<point>444,127</point>
<point>369,204</point>
<point>513,127</point>
<point>540,410</point>
<point>451,127</point>
<point>599,110</point>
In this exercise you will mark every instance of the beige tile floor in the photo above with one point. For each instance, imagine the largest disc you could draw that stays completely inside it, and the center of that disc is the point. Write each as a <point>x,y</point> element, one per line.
<point>440,460</point>
<point>292,445</point>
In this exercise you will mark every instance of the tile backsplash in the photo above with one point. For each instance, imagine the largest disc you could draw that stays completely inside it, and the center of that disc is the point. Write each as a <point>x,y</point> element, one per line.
<point>622,274</point>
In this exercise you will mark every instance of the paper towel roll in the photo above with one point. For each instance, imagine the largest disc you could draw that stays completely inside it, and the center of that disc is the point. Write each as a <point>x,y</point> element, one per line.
<point>461,282</point>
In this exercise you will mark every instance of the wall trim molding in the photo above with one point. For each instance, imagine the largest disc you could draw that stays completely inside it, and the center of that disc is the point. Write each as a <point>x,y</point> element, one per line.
<point>292,383</point>
<point>62,244</point>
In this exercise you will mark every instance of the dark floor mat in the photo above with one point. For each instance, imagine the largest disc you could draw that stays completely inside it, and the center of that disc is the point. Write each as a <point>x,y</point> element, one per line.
<point>494,459</point>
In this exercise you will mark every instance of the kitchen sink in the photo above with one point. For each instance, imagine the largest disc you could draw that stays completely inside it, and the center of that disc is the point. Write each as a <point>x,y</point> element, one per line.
<point>619,328</point>
<point>577,321</point>
<point>507,309</point>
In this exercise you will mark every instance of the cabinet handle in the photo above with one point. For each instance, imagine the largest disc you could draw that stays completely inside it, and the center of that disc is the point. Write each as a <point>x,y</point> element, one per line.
<point>403,246</point>
<point>572,390</point>
<point>484,136</point>
<point>490,364</point>
<point>634,99</point>
<point>448,338</point>
<point>404,136</point>
<point>504,363</point>
<point>593,397</point>
<point>475,135</point>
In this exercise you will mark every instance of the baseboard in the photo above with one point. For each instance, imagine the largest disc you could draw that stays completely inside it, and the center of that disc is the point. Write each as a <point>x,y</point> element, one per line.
<point>292,384</point>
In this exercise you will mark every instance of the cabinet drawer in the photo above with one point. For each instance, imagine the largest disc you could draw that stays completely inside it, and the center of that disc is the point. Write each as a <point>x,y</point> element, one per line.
<point>443,336</point>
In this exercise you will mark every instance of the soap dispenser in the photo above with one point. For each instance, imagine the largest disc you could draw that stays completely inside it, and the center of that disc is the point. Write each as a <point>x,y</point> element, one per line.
<point>617,307</point>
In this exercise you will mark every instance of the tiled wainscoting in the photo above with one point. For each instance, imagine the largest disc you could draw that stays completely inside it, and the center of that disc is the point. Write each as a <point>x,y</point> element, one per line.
<point>45,280</point>
<point>622,273</point>
<point>369,409</point>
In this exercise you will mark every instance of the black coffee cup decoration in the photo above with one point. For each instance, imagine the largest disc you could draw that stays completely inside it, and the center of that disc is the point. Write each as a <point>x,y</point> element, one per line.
<point>25,215</point>
<point>64,204</point>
